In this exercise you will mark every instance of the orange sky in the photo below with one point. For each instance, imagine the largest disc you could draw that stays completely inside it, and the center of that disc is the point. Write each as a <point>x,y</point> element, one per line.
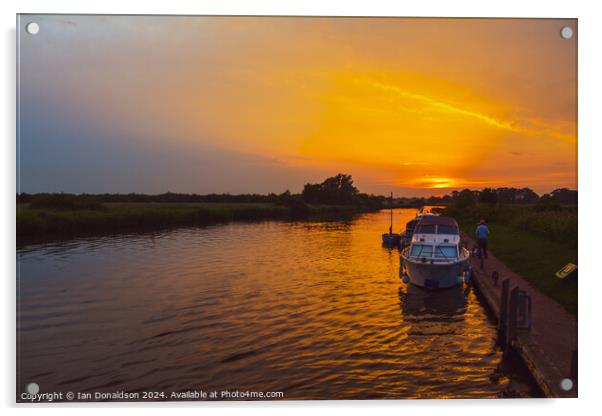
<point>417,106</point>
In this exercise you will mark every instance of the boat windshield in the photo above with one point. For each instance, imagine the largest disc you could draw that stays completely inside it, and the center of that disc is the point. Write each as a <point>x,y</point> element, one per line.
<point>447,252</point>
<point>421,250</point>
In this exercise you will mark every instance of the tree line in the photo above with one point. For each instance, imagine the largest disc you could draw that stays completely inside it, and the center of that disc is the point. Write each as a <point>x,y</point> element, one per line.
<point>335,190</point>
<point>514,196</point>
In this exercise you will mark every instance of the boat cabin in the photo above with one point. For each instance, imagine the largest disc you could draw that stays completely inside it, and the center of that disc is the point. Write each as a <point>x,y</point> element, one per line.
<point>410,227</point>
<point>435,238</point>
<point>435,224</point>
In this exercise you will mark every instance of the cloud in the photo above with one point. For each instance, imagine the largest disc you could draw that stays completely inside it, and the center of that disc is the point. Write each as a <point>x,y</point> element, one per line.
<point>441,106</point>
<point>531,127</point>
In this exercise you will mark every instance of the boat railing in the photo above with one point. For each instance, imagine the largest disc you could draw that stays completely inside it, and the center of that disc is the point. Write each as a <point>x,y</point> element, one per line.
<point>433,260</point>
<point>463,254</point>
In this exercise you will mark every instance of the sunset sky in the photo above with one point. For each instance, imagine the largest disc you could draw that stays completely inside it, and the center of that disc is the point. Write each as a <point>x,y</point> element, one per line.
<point>265,104</point>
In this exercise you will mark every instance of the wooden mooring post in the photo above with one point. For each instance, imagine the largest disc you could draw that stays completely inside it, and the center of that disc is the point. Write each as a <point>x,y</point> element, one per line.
<point>495,276</point>
<point>502,326</point>
<point>512,316</point>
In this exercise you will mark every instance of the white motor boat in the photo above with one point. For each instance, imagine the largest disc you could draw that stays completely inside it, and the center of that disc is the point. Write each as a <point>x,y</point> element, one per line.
<point>434,259</point>
<point>406,236</point>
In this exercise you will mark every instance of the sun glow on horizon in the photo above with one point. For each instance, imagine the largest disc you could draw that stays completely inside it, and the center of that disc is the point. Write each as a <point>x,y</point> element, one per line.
<point>436,183</point>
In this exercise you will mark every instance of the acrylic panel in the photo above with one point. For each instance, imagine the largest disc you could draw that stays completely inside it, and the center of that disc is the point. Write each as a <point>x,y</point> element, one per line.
<point>295,208</point>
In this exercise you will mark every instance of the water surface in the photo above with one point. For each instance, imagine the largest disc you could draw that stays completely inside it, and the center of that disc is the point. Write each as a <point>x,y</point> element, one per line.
<point>315,310</point>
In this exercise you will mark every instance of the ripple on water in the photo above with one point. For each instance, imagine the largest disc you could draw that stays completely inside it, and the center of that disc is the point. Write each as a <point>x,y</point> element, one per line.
<point>313,309</point>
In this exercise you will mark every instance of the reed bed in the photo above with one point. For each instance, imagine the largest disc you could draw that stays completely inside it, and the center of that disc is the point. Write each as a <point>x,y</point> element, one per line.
<point>49,222</point>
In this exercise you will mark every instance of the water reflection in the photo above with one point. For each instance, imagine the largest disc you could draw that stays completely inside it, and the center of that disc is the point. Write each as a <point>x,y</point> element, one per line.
<point>313,309</point>
<point>417,303</point>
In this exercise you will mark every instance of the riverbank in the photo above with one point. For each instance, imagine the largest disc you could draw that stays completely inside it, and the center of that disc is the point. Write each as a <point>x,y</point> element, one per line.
<point>534,245</point>
<point>548,348</point>
<point>35,225</point>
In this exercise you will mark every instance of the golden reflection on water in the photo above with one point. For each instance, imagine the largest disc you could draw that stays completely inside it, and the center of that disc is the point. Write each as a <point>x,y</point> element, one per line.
<point>313,309</point>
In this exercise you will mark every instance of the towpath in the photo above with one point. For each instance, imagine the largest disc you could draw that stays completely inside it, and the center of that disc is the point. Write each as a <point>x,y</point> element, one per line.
<point>548,347</point>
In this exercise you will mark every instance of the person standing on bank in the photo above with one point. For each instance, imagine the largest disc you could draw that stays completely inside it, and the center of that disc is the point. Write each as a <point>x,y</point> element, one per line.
<point>482,234</point>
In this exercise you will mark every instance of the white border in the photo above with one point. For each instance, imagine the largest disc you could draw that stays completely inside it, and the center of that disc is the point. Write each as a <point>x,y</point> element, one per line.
<point>590,134</point>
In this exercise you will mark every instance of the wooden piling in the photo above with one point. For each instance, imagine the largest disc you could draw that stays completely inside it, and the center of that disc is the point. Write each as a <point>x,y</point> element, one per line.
<point>495,276</point>
<point>503,318</point>
<point>512,315</point>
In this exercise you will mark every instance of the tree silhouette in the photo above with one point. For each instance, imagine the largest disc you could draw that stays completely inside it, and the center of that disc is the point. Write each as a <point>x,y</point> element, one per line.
<point>337,190</point>
<point>488,196</point>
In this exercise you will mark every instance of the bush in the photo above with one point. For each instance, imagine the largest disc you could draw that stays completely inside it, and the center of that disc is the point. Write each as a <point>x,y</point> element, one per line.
<point>466,199</point>
<point>547,203</point>
<point>296,204</point>
<point>488,196</point>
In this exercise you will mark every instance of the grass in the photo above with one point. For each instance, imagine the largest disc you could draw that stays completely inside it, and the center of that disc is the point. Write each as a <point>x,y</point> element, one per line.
<point>42,224</point>
<point>533,244</point>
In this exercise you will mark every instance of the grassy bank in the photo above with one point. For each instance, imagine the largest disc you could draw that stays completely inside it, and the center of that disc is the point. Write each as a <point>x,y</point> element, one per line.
<point>532,243</point>
<point>35,223</point>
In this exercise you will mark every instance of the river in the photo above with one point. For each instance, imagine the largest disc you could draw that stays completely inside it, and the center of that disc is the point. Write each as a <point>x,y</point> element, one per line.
<point>312,309</point>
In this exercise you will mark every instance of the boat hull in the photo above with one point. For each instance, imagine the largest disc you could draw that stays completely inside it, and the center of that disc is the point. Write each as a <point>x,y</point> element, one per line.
<point>434,276</point>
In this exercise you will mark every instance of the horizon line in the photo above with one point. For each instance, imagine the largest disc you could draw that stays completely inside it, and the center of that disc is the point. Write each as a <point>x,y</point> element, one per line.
<point>449,193</point>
